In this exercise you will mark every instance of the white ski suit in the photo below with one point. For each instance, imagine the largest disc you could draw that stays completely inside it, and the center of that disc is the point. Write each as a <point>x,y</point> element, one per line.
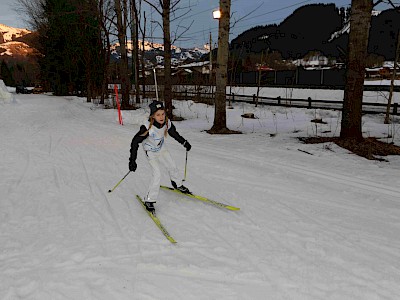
<point>153,143</point>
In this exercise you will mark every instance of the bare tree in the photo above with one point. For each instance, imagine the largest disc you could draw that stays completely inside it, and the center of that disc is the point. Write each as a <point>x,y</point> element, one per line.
<point>122,26</point>
<point>33,9</point>
<point>106,9</point>
<point>165,8</point>
<point>143,32</point>
<point>166,11</point>
<point>135,23</point>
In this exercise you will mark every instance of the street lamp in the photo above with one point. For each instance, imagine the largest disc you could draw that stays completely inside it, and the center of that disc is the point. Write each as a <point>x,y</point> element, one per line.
<point>217,14</point>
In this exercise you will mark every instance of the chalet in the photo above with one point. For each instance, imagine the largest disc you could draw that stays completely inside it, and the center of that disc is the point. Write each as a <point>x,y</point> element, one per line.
<point>202,67</point>
<point>316,61</point>
<point>373,72</point>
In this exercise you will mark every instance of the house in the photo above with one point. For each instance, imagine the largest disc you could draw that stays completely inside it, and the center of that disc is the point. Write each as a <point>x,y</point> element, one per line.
<point>202,67</point>
<point>373,72</point>
<point>312,61</point>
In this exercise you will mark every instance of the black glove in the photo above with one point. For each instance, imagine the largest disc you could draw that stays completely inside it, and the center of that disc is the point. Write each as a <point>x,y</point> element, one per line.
<point>187,146</point>
<point>132,166</point>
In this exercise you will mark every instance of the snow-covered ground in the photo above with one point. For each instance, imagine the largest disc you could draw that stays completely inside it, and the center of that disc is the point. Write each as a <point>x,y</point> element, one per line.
<point>316,222</point>
<point>318,94</point>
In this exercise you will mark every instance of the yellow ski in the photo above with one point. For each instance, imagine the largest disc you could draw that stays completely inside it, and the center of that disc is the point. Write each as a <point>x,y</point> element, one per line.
<point>201,198</point>
<point>156,221</point>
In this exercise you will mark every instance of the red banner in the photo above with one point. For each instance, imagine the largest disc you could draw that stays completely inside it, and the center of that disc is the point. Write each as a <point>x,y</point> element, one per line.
<point>118,106</point>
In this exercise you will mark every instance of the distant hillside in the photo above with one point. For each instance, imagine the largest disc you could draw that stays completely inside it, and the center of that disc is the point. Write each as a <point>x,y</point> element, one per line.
<point>383,35</point>
<point>8,34</point>
<point>154,53</point>
<point>18,56</point>
<point>307,29</point>
<point>16,42</point>
<point>317,27</point>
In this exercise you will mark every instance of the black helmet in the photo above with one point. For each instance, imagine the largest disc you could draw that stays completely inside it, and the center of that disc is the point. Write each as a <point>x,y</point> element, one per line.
<point>154,106</point>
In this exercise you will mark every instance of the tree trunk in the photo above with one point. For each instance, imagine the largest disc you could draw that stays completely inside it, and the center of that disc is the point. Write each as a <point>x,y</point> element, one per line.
<point>106,53</point>
<point>142,57</point>
<point>360,21</point>
<point>221,74</point>
<point>123,65</point>
<point>167,58</point>
<point>135,48</point>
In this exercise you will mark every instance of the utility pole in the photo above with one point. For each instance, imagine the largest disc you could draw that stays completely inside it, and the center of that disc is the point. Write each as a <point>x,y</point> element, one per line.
<point>210,59</point>
<point>259,76</point>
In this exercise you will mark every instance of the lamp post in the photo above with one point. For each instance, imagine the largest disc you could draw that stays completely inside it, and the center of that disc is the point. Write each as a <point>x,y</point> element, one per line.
<point>221,74</point>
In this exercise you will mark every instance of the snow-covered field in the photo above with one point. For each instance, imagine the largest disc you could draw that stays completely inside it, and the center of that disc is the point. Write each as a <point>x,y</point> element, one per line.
<point>318,94</point>
<point>316,222</point>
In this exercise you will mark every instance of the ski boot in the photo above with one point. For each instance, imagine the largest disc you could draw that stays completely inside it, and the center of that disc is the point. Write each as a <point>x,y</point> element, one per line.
<point>182,188</point>
<point>150,207</point>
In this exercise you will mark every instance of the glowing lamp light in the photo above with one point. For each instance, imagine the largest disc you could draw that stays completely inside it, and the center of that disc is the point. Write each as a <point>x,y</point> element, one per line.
<point>217,14</point>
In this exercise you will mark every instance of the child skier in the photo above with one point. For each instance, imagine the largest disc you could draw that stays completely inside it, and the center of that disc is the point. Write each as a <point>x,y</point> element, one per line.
<point>152,136</point>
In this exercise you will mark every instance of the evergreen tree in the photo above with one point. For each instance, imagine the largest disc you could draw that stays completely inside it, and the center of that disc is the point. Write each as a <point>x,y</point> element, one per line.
<point>71,46</point>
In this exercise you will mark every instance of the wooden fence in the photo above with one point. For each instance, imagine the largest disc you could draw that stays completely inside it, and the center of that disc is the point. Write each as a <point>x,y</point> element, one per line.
<point>208,98</point>
<point>367,107</point>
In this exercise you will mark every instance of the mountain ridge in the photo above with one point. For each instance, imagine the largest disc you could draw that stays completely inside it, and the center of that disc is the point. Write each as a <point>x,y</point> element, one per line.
<point>16,42</point>
<point>23,42</point>
<point>318,27</point>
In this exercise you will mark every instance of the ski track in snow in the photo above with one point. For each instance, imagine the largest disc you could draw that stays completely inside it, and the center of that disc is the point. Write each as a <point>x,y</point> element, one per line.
<point>310,227</point>
<point>374,249</point>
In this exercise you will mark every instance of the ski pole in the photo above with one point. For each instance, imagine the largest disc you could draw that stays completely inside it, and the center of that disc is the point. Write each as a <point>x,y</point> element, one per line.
<point>184,178</point>
<point>119,182</point>
<point>155,83</point>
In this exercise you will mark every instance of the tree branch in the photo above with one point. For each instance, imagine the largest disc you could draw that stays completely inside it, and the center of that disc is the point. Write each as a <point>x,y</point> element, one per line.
<point>177,37</point>
<point>245,16</point>
<point>154,6</point>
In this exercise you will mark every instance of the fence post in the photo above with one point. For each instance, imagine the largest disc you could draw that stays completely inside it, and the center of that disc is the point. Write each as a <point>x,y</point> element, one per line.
<point>279,100</point>
<point>395,107</point>
<point>254,98</point>
<point>309,102</point>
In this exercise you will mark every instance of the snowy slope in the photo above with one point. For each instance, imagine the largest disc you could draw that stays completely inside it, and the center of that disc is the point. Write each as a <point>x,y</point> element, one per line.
<point>320,226</point>
<point>8,44</point>
<point>16,48</point>
<point>8,33</point>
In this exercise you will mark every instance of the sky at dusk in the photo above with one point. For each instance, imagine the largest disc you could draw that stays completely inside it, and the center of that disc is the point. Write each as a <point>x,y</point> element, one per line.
<point>197,14</point>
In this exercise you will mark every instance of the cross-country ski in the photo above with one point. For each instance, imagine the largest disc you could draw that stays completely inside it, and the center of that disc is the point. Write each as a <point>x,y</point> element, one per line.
<point>201,198</point>
<point>157,221</point>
